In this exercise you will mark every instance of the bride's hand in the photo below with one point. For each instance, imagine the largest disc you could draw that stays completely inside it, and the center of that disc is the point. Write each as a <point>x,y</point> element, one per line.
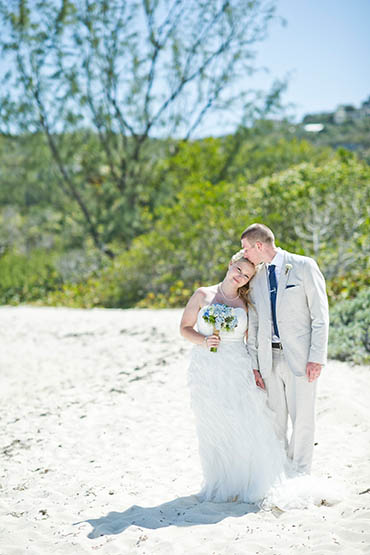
<point>212,341</point>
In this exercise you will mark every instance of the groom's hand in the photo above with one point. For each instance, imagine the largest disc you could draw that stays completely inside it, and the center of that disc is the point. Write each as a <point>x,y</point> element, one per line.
<point>259,381</point>
<point>313,371</point>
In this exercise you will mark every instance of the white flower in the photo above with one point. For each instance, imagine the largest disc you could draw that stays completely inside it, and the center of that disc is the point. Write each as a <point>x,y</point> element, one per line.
<point>287,268</point>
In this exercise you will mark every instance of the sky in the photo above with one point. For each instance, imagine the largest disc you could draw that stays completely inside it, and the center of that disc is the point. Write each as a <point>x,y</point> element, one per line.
<point>325,47</point>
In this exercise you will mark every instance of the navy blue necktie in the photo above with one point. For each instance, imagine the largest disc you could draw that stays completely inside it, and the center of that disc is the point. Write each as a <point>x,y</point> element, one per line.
<point>273,292</point>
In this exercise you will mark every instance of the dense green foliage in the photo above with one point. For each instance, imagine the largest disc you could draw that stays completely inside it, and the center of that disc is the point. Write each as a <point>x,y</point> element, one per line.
<point>27,278</point>
<point>203,196</point>
<point>312,209</point>
<point>350,329</point>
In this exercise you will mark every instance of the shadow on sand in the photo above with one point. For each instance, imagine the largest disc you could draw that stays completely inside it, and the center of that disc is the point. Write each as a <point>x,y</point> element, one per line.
<point>182,511</point>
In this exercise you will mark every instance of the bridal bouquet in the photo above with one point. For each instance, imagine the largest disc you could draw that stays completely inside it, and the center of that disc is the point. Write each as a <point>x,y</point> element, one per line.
<point>221,317</point>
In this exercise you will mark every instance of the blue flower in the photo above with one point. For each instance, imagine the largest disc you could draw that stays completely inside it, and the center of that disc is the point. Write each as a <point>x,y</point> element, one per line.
<point>221,317</point>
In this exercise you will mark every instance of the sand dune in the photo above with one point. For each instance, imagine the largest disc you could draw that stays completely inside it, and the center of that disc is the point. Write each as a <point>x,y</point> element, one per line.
<point>99,452</point>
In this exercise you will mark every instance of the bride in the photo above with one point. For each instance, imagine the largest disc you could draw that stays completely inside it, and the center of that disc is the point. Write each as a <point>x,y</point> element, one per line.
<point>242,458</point>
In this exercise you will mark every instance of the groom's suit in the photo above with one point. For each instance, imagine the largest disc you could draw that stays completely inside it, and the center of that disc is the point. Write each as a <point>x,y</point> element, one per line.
<point>303,320</point>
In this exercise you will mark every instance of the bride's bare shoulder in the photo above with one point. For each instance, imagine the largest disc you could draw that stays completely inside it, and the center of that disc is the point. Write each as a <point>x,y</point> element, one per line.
<point>206,291</point>
<point>203,294</point>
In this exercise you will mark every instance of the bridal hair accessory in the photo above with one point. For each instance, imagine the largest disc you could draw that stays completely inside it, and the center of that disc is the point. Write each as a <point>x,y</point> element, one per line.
<point>287,268</point>
<point>221,317</point>
<point>237,256</point>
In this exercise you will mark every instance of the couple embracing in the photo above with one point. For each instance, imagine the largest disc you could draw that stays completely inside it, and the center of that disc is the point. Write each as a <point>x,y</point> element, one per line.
<point>264,372</point>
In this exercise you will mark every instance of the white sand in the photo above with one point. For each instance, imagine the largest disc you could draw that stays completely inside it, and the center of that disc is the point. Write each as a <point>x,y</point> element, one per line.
<point>97,437</point>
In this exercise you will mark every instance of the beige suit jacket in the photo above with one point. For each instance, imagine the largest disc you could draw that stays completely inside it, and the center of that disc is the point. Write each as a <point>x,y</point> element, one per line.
<point>302,315</point>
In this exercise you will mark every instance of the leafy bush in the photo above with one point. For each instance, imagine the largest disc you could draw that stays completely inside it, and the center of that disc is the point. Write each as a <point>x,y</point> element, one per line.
<point>314,210</point>
<point>50,278</point>
<point>27,278</point>
<point>177,296</point>
<point>350,329</point>
<point>191,242</point>
<point>75,295</point>
<point>205,196</point>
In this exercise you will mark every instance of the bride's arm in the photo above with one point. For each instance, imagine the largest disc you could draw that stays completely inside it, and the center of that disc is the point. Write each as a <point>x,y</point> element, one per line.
<point>189,319</point>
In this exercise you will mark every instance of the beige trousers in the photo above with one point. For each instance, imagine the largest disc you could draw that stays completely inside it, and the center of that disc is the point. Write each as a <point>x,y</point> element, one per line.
<point>293,396</point>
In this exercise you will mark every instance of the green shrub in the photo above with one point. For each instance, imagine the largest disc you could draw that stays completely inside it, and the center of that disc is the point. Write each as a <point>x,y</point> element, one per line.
<point>75,295</point>
<point>350,329</point>
<point>27,278</point>
<point>177,296</point>
<point>191,242</point>
<point>321,211</point>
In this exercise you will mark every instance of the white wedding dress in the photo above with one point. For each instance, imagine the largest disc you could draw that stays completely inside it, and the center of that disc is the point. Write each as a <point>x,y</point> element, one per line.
<point>241,456</point>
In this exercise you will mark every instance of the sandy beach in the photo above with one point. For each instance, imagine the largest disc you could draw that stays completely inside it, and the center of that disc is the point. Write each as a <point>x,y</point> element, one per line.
<point>99,450</point>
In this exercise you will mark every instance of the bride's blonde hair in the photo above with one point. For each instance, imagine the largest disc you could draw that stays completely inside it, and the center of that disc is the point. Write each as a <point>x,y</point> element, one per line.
<point>243,291</point>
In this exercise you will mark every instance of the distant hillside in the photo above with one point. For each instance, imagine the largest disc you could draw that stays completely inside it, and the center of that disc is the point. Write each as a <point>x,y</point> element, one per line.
<point>347,127</point>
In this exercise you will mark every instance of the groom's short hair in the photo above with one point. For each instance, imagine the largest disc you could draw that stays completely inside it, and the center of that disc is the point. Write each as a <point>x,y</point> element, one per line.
<point>258,232</point>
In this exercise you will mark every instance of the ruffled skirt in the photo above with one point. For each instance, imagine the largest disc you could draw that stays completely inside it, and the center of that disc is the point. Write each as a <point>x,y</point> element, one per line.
<point>240,454</point>
<point>242,459</point>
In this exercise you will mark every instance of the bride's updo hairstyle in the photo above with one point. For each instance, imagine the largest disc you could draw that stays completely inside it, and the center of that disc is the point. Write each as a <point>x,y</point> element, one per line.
<point>243,291</point>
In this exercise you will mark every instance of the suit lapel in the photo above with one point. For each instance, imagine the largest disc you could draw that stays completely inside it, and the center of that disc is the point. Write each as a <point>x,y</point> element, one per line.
<point>284,276</point>
<point>263,288</point>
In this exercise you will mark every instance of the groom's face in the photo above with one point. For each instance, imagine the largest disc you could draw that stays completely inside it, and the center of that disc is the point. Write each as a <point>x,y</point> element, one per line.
<point>252,251</point>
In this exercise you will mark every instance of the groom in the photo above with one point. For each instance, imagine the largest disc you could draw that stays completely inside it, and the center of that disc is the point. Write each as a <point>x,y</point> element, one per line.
<point>287,338</point>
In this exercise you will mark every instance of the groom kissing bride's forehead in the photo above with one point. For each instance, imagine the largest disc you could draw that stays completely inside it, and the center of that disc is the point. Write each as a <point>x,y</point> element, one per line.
<point>267,328</point>
<point>258,243</point>
<point>287,337</point>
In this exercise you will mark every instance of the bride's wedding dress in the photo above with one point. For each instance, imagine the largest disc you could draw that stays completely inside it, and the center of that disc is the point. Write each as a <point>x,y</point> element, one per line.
<point>241,456</point>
